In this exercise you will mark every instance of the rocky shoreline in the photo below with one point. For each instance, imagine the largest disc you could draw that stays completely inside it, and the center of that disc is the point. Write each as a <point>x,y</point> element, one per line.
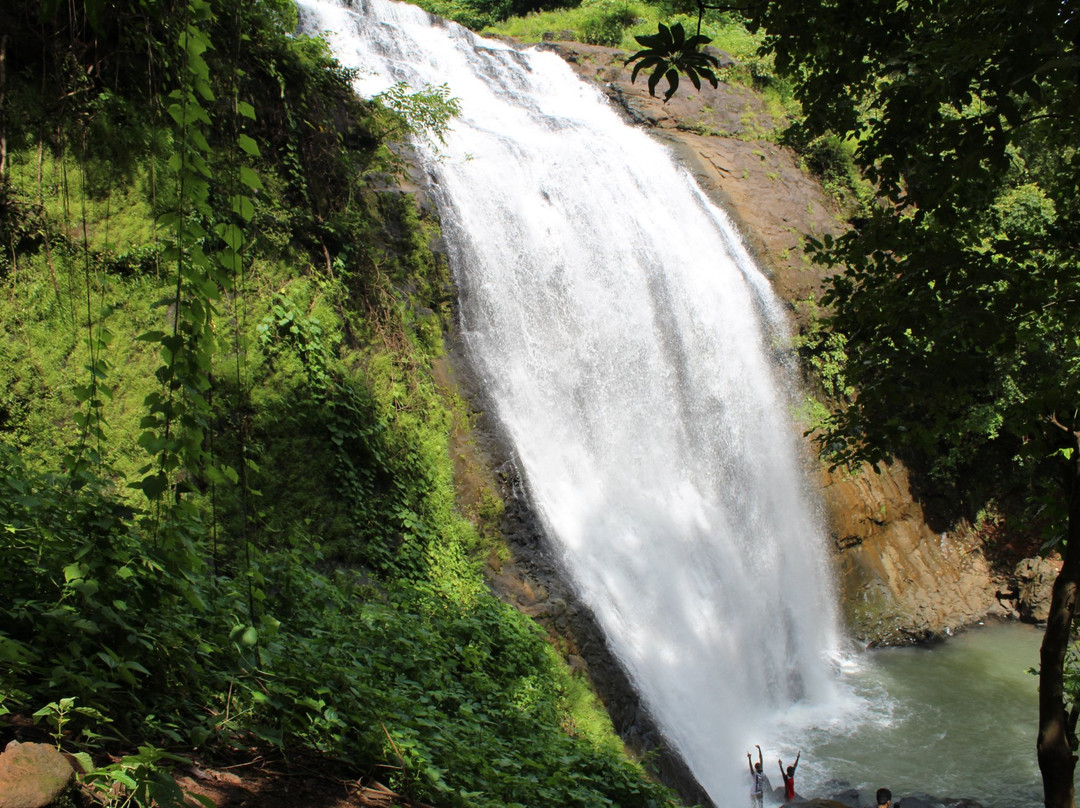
<point>852,798</point>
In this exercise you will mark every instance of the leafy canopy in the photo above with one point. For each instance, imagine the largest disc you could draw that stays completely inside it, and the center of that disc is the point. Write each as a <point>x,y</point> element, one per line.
<point>958,294</point>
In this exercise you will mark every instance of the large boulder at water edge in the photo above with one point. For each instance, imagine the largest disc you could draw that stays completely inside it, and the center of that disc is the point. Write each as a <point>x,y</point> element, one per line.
<point>914,802</point>
<point>32,775</point>
<point>926,801</point>
<point>848,797</point>
<point>1034,585</point>
<point>900,581</point>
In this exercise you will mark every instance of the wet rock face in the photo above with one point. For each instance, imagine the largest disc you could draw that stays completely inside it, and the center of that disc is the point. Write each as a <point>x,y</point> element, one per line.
<point>900,582</point>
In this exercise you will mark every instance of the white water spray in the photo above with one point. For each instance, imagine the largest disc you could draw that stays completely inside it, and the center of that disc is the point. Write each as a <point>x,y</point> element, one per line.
<point>623,335</point>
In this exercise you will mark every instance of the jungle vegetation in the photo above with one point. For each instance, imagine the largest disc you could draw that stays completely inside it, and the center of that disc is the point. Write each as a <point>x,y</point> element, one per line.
<point>956,294</point>
<point>228,519</point>
<point>226,498</point>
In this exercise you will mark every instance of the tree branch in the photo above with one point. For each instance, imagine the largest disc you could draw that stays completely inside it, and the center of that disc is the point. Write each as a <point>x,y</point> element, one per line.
<point>1054,420</point>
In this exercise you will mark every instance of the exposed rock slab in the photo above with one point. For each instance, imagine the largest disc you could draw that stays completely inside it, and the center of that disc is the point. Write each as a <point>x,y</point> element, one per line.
<point>900,581</point>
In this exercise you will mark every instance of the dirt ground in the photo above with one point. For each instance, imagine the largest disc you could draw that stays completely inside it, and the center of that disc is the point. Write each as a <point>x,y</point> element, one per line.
<point>244,778</point>
<point>268,783</point>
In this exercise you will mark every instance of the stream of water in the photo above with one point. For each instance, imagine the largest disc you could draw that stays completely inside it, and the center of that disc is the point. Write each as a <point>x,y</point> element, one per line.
<point>632,353</point>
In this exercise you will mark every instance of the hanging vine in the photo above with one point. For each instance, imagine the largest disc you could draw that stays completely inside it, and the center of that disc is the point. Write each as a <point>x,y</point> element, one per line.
<point>206,254</point>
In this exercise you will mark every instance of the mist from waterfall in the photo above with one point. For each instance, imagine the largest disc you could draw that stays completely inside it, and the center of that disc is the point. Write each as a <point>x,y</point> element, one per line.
<point>629,347</point>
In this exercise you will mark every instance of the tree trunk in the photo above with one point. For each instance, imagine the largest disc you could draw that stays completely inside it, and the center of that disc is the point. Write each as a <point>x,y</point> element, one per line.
<point>1057,760</point>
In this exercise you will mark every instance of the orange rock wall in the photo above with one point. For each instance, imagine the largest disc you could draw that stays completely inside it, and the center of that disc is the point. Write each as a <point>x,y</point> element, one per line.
<point>899,580</point>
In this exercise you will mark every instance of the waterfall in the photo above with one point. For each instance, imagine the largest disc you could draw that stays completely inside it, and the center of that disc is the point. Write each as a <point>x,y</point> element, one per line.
<point>628,344</point>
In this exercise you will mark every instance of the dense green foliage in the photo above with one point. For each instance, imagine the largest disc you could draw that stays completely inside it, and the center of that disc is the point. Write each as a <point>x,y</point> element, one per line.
<point>226,497</point>
<point>479,14</point>
<point>956,304</point>
<point>970,252</point>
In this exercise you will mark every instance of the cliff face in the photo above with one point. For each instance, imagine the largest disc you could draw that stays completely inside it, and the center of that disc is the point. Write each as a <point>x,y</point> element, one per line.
<point>900,581</point>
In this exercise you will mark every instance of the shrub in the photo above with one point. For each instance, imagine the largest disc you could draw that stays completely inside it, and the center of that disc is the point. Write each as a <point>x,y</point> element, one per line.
<point>606,22</point>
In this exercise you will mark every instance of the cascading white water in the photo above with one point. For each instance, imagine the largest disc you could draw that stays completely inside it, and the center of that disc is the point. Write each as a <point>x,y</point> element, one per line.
<point>624,336</point>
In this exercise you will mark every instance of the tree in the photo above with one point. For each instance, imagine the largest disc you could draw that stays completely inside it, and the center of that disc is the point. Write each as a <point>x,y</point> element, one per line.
<point>958,294</point>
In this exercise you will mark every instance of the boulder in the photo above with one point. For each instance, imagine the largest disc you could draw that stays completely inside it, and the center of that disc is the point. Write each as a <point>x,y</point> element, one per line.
<point>848,797</point>
<point>915,802</point>
<point>1034,585</point>
<point>32,775</point>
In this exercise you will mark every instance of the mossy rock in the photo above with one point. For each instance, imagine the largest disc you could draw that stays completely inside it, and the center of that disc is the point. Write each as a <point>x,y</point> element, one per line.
<point>32,775</point>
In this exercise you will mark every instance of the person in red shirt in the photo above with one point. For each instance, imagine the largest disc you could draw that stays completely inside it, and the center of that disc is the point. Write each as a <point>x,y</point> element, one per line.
<point>789,777</point>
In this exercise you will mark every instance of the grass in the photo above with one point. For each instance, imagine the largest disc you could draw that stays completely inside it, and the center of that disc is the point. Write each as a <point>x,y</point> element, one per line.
<point>640,18</point>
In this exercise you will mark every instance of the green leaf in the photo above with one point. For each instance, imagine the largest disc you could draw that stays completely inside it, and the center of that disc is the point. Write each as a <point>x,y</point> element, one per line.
<point>202,86</point>
<point>86,763</point>
<point>645,64</point>
<point>243,206</point>
<point>153,485</point>
<point>124,778</point>
<point>250,178</point>
<point>249,145</point>
<point>654,79</point>
<point>232,235</point>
